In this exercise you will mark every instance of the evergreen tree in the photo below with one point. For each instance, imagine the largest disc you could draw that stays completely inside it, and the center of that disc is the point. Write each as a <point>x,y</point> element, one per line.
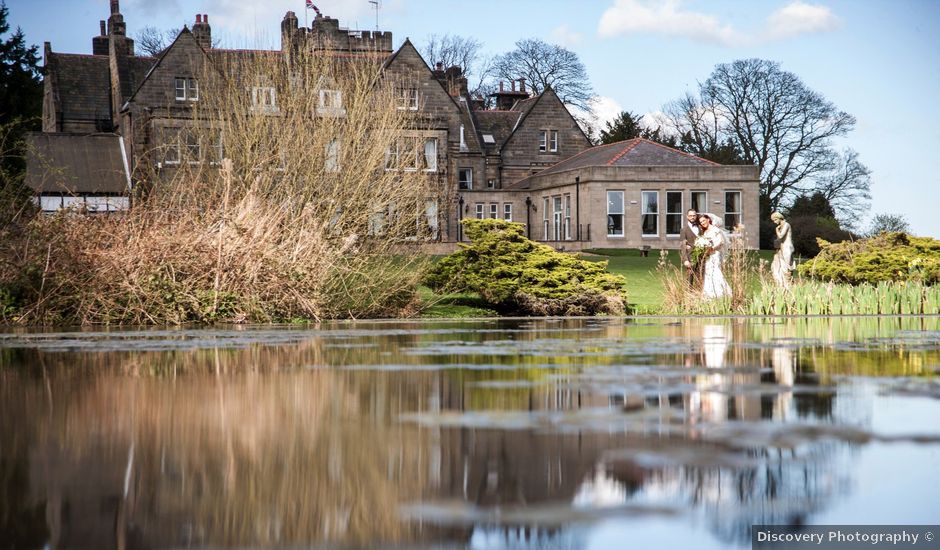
<point>20,95</point>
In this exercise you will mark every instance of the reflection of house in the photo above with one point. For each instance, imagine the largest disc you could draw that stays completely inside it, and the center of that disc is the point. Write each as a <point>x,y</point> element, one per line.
<point>526,160</point>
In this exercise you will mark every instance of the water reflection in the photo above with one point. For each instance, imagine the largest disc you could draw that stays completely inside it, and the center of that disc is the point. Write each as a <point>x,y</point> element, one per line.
<point>521,433</point>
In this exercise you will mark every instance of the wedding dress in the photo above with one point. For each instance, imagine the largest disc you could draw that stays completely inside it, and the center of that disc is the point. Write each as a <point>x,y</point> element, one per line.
<point>714,284</point>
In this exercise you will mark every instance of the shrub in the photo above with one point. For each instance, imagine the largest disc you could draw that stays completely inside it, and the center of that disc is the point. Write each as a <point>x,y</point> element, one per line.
<point>517,275</point>
<point>885,257</point>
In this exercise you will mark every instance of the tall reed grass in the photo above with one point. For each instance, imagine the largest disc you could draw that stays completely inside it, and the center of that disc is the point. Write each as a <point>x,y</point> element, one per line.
<point>248,210</point>
<point>819,298</point>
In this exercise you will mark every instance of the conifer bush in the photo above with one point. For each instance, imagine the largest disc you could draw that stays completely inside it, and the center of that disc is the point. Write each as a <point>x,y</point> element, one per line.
<point>517,275</point>
<point>882,258</point>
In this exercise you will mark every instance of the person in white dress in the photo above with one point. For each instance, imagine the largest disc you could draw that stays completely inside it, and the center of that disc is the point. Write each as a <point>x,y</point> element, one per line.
<point>714,284</point>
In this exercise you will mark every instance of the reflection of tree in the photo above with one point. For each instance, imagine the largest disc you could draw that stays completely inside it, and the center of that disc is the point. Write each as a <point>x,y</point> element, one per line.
<point>300,443</point>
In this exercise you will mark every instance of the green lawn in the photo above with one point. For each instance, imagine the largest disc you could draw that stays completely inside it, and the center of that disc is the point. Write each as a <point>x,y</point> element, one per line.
<point>643,287</point>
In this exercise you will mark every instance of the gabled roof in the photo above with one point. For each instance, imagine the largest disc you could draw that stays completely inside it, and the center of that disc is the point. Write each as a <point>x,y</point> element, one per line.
<point>153,67</point>
<point>498,124</point>
<point>74,164</point>
<point>526,106</point>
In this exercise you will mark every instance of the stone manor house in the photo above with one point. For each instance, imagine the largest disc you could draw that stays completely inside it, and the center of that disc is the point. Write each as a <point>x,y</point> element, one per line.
<point>525,160</point>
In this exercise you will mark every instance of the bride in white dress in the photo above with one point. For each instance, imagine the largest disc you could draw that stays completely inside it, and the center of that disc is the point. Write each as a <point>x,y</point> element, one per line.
<point>714,284</point>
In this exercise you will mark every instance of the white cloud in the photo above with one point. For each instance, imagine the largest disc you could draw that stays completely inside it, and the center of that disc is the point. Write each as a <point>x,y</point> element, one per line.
<point>604,109</point>
<point>670,18</point>
<point>564,36</point>
<point>799,18</point>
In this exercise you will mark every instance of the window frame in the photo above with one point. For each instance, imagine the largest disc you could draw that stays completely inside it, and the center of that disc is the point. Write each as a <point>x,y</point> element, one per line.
<point>543,141</point>
<point>464,184</point>
<point>673,215</point>
<point>643,213</point>
<point>739,214</point>
<point>545,204</point>
<point>407,97</point>
<point>553,141</point>
<point>567,215</point>
<point>507,211</point>
<point>480,211</point>
<point>704,206</point>
<point>622,214</point>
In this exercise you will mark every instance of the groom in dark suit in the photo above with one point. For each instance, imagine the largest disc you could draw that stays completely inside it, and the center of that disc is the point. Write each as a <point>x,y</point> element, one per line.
<point>690,232</point>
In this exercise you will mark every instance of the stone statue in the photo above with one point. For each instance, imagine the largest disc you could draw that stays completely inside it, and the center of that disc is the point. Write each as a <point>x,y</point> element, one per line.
<point>783,259</point>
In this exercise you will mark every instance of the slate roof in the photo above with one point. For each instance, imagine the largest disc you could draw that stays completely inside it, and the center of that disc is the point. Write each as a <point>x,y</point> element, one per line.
<point>81,85</point>
<point>632,152</point>
<point>497,123</point>
<point>75,164</point>
<point>83,82</point>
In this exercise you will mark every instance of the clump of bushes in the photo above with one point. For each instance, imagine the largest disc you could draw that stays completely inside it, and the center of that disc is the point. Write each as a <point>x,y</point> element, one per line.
<point>517,275</point>
<point>882,258</point>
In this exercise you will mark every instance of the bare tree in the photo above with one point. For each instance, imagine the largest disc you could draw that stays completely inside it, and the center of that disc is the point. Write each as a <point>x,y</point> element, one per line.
<point>890,223</point>
<point>452,50</point>
<point>546,65</point>
<point>153,41</point>
<point>782,126</point>
<point>846,186</point>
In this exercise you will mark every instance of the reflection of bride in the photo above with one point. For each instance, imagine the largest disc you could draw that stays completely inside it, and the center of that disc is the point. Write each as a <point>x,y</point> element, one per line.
<point>714,284</point>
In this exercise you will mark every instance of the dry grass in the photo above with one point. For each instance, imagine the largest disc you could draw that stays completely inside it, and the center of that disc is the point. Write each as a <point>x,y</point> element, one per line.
<point>680,296</point>
<point>300,221</point>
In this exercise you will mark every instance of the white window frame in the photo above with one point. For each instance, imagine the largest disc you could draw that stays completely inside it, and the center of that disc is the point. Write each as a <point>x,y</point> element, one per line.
<point>553,141</point>
<point>507,211</point>
<point>171,146</point>
<point>545,205</point>
<point>704,204</point>
<point>330,103</point>
<point>480,212</point>
<point>557,217</point>
<point>494,210</point>
<point>543,141</point>
<point>621,213</point>
<point>187,89</point>
<point>644,213</point>
<point>392,155</point>
<point>264,99</point>
<point>739,213</point>
<point>567,208</point>
<point>429,156</point>
<point>465,184</point>
<point>407,97</point>
<point>192,146</point>
<point>680,214</point>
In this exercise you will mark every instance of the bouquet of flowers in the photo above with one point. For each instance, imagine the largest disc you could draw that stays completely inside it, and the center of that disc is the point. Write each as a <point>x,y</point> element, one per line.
<point>700,250</point>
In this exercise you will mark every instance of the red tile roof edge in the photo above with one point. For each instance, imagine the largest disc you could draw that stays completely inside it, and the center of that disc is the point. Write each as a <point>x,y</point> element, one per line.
<point>680,152</point>
<point>631,143</point>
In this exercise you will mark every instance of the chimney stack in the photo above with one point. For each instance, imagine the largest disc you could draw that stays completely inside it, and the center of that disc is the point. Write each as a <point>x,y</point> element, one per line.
<point>104,28</point>
<point>115,7</point>
<point>522,84</point>
<point>202,32</point>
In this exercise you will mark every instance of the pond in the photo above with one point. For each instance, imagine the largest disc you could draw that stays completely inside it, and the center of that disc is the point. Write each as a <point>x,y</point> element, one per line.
<point>521,433</point>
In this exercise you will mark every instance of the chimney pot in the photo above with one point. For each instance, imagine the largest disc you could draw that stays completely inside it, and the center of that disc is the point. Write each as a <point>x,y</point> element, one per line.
<point>198,18</point>
<point>104,30</point>
<point>205,18</point>
<point>500,85</point>
<point>513,84</point>
<point>522,84</point>
<point>115,7</point>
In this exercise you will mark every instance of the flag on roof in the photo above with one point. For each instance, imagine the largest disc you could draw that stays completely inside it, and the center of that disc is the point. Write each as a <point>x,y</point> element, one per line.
<point>310,6</point>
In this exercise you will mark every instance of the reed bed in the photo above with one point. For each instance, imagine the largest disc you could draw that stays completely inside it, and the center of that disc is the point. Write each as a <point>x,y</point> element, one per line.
<point>819,298</point>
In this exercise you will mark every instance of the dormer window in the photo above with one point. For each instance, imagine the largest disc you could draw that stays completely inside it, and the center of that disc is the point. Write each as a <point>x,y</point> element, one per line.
<point>187,89</point>
<point>264,99</point>
<point>408,97</point>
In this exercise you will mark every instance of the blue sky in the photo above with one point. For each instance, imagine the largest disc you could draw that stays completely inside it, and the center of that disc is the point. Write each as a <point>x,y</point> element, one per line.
<point>878,60</point>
